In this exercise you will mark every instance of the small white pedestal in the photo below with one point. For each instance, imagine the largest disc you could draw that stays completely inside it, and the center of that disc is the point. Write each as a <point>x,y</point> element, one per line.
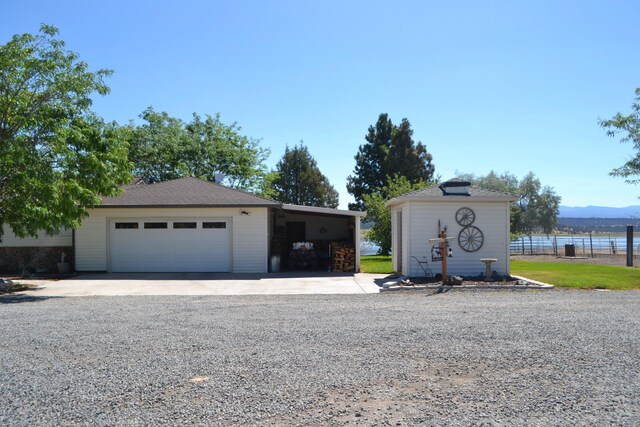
<point>487,268</point>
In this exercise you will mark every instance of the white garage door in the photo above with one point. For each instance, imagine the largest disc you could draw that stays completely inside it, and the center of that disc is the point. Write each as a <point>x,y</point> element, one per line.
<point>180,245</point>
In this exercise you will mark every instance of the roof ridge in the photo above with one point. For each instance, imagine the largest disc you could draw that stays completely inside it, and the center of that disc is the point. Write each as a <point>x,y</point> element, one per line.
<point>428,191</point>
<point>146,186</point>
<point>186,190</point>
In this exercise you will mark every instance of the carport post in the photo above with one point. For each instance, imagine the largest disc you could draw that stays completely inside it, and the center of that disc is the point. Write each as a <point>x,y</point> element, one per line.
<point>356,239</point>
<point>629,245</point>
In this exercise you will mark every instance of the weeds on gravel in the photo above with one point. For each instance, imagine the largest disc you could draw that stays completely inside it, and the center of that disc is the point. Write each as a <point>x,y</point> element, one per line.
<point>16,287</point>
<point>582,276</point>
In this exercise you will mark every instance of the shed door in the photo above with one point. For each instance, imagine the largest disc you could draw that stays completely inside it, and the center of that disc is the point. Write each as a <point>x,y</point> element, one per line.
<point>177,245</point>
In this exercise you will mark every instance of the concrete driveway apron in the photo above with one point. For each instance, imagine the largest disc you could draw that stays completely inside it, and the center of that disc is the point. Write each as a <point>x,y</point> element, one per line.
<point>210,284</point>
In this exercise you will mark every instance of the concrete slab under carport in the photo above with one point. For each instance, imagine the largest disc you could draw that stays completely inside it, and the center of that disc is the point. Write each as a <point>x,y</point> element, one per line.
<point>123,284</point>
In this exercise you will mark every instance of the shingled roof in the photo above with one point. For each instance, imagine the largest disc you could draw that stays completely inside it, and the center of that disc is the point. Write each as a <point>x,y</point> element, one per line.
<point>436,193</point>
<point>185,192</point>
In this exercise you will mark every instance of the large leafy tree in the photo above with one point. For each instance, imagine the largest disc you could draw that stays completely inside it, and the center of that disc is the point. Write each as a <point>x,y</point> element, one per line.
<point>299,180</point>
<point>379,215</point>
<point>537,207</point>
<point>164,148</point>
<point>157,147</point>
<point>628,128</point>
<point>56,156</point>
<point>389,151</point>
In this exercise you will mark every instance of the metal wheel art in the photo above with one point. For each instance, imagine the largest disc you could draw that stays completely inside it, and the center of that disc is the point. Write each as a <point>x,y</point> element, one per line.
<point>470,238</point>
<point>465,216</point>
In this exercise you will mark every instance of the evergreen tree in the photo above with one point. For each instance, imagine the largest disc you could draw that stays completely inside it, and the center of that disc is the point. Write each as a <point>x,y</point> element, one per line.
<point>300,181</point>
<point>389,151</point>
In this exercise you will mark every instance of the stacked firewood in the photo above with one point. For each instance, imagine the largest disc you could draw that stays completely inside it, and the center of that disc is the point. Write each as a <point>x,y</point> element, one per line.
<point>344,259</point>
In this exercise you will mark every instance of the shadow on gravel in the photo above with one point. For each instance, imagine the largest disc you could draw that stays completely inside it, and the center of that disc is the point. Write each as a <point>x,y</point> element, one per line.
<point>18,298</point>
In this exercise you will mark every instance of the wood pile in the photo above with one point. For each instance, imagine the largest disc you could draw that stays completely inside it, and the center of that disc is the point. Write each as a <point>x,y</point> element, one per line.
<point>344,259</point>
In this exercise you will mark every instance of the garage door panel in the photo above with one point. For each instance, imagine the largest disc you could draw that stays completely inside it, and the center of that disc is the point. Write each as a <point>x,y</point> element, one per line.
<point>170,249</point>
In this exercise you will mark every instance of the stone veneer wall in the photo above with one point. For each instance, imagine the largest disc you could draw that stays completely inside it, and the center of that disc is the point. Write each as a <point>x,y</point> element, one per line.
<point>34,259</point>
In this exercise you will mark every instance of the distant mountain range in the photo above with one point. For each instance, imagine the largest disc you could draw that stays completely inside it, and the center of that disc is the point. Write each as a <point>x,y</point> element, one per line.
<point>599,212</point>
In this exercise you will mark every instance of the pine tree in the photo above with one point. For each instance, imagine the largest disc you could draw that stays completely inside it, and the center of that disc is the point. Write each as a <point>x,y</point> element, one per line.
<point>300,181</point>
<point>389,151</point>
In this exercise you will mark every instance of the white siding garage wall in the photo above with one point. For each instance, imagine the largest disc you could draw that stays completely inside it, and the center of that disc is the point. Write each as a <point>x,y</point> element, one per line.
<point>91,243</point>
<point>491,219</point>
<point>62,238</point>
<point>248,246</point>
<point>250,242</point>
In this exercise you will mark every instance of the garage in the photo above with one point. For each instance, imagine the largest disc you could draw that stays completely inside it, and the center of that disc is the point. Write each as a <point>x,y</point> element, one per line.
<point>189,225</point>
<point>170,245</point>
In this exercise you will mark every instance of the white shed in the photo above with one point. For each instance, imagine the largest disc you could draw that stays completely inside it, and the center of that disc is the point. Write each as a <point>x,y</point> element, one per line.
<point>477,219</point>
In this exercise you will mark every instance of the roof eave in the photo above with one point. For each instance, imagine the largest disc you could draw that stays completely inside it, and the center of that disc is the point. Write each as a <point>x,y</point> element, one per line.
<point>330,211</point>
<point>235,205</point>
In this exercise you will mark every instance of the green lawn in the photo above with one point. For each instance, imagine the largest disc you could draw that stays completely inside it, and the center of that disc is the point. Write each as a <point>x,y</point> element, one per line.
<point>376,264</point>
<point>583,276</point>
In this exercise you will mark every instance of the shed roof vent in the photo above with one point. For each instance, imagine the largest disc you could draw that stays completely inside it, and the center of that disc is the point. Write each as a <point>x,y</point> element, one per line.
<point>455,187</point>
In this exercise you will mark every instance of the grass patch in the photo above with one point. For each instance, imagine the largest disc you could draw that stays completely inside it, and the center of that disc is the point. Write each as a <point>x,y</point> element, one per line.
<point>582,276</point>
<point>376,264</point>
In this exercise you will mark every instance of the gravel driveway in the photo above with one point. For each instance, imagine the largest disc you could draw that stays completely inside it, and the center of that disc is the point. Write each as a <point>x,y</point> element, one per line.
<point>460,358</point>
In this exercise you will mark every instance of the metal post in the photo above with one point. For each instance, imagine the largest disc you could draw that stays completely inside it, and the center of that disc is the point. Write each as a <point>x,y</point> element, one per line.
<point>629,245</point>
<point>610,245</point>
<point>444,245</point>
<point>591,244</point>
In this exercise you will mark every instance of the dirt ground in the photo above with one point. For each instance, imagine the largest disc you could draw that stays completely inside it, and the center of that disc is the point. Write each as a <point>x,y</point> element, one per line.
<point>619,260</point>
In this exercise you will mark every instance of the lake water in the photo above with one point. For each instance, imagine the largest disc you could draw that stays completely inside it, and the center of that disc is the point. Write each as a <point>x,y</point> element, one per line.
<point>368,248</point>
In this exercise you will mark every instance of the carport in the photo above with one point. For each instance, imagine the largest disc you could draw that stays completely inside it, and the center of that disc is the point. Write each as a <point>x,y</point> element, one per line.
<point>323,231</point>
<point>310,238</point>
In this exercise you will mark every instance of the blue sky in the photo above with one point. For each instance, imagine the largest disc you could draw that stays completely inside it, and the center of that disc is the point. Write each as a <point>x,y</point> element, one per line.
<point>500,85</point>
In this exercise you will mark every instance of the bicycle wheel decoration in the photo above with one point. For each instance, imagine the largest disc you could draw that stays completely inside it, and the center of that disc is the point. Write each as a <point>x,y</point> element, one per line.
<point>465,216</point>
<point>470,238</point>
